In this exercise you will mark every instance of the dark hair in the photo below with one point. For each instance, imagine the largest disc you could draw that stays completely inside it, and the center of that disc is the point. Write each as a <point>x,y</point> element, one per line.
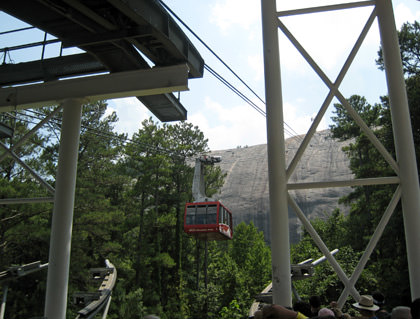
<point>315,301</point>
<point>303,307</point>
<point>415,309</point>
<point>378,298</point>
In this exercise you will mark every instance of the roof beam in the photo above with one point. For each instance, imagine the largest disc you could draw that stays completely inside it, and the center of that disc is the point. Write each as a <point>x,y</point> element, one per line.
<point>116,85</point>
<point>50,69</point>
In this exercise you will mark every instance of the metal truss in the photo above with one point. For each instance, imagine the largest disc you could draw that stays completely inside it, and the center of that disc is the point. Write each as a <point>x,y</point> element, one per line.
<point>408,186</point>
<point>11,152</point>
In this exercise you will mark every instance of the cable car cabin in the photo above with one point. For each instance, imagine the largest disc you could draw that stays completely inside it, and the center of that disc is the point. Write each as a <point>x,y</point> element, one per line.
<point>208,221</point>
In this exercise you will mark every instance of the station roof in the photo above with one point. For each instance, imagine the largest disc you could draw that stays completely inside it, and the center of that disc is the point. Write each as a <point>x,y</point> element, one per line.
<point>115,36</point>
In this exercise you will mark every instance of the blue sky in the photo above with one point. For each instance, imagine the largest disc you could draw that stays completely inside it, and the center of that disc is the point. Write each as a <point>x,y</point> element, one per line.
<point>232,28</point>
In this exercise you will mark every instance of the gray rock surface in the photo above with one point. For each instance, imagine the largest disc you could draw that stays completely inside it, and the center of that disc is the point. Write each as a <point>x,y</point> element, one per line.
<point>245,191</point>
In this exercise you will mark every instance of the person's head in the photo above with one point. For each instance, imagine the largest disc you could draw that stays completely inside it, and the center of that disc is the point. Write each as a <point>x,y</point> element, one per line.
<point>401,312</point>
<point>365,306</point>
<point>378,298</point>
<point>315,301</point>
<point>345,316</point>
<point>303,307</point>
<point>383,314</point>
<point>337,311</point>
<point>415,309</point>
<point>278,312</point>
<point>258,314</point>
<point>325,312</point>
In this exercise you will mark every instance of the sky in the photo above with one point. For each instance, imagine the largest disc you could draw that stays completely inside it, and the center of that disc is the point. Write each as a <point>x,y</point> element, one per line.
<point>232,29</point>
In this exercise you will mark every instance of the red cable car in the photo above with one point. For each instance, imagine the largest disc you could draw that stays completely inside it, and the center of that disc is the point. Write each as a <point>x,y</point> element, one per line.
<point>208,221</point>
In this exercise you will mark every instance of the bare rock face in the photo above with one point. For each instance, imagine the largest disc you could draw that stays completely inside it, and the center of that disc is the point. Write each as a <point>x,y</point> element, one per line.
<point>245,191</point>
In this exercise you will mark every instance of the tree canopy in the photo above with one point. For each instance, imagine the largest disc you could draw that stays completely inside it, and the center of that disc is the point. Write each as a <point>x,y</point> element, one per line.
<point>129,206</point>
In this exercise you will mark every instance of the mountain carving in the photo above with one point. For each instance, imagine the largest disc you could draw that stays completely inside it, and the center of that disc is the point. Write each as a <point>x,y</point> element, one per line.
<point>246,193</point>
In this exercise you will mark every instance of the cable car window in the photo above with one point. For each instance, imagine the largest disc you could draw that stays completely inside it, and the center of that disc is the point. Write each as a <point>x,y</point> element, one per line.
<point>190,215</point>
<point>225,217</point>
<point>211,214</point>
<point>201,215</point>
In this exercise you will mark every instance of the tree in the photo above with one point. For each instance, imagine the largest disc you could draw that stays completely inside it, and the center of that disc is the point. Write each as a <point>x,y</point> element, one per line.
<point>325,282</point>
<point>409,40</point>
<point>159,162</point>
<point>23,226</point>
<point>130,199</point>
<point>240,268</point>
<point>369,202</point>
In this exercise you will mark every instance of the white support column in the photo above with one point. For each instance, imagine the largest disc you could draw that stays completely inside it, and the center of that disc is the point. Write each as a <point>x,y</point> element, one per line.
<point>62,219</point>
<point>403,140</point>
<point>3,302</point>
<point>279,220</point>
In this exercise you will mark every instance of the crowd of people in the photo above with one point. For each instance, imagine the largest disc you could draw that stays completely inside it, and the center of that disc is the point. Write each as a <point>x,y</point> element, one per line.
<point>368,307</point>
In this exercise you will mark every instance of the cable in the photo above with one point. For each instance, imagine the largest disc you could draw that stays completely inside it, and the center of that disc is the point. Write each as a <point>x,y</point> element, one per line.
<point>247,100</point>
<point>234,89</point>
<point>208,48</point>
<point>100,133</point>
<point>290,130</point>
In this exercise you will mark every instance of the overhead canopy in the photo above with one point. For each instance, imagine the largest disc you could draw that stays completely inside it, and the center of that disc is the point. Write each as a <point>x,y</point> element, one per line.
<point>112,33</point>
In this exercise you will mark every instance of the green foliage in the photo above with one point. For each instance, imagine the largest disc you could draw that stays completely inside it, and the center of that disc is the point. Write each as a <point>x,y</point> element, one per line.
<point>409,40</point>
<point>368,203</point>
<point>231,312</point>
<point>129,207</point>
<point>243,268</point>
<point>127,305</point>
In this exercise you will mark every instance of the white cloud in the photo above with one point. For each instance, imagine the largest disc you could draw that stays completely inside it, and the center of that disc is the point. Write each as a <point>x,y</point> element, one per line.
<point>404,14</point>
<point>239,125</point>
<point>228,13</point>
<point>328,37</point>
<point>130,113</point>
<point>256,63</point>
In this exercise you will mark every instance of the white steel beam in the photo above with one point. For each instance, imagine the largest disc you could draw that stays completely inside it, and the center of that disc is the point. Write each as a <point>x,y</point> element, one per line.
<point>371,245</point>
<point>370,135</point>
<point>333,7</point>
<point>353,182</point>
<point>330,95</point>
<point>28,168</point>
<point>324,249</point>
<point>404,167</point>
<point>153,81</point>
<point>403,137</point>
<point>3,302</point>
<point>279,216</point>
<point>10,201</point>
<point>62,218</point>
<point>17,144</point>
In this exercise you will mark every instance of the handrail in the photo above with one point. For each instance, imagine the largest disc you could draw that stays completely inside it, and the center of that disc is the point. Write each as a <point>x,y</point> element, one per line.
<point>109,275</point>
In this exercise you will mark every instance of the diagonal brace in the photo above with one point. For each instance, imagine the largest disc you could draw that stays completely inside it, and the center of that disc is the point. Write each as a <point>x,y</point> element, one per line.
<point>30,133</point>
<point>30,170</point>
<point>371,245</point>
<point>330,95</point>
<point>371,136</point>
<point>324,249</point>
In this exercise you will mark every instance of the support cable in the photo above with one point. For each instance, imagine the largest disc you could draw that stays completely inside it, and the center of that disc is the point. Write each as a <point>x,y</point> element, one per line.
<point>208,48</point>
<point>292,132</point>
